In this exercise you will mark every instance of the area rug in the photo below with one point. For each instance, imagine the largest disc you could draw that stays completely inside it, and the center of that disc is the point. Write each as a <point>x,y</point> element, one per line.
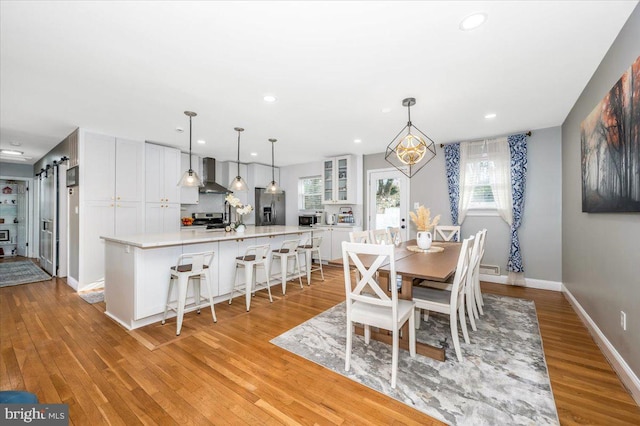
<point>503,379</point>
<point>92,296</point>
<point>21,272</point>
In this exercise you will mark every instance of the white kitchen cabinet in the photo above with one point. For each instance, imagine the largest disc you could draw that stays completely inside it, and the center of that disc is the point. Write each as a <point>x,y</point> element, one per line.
<point>111,187</point>
<point>162,218</point>
<point>332,238</point>
<point>162,193</point>
<point>111,168</point>
<point>342,180</point>
<point>162,173</point>
<point>259,175</point>
<point>189,194</point>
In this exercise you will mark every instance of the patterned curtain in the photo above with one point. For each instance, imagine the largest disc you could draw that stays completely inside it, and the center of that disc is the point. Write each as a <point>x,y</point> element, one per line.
<point>452,164</point>
<point>518,149</point>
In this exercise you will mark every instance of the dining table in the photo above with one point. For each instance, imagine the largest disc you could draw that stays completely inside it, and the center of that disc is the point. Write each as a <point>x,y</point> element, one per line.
<point>413,265</point>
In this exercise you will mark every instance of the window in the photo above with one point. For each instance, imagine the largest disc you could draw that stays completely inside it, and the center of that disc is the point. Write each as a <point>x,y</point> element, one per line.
<point>485,179</point>
<point>480,185</point>
<point>310,193</point>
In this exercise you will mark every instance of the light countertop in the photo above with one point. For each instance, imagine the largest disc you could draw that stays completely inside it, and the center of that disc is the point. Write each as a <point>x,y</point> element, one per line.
<point>199,235</point>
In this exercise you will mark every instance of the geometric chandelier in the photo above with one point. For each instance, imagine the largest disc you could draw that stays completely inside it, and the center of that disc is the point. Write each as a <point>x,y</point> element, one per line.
<point>411,151</point>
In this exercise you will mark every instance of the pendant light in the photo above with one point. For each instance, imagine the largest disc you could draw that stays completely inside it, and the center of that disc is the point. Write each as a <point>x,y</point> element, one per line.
<point>190,178</point>
<point>238,184</point>
<point>272,187</point>
<point>409,153</point>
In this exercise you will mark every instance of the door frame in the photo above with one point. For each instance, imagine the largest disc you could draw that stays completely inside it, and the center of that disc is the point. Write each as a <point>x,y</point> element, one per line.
<point>32,250</point>
<point>371,200</point>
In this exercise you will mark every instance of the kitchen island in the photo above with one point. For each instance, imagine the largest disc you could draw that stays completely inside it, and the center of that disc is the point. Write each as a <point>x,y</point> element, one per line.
<point>137,266</point>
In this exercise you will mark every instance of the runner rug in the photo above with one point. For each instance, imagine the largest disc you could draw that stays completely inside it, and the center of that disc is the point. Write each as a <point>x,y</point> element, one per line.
<point>503,379</point>
<point>21,272</point>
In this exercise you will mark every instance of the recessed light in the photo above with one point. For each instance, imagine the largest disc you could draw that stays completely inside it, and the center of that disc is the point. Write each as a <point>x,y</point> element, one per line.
<point>357,141</point>
<point>201,141</point>
<point>490,116</point>
<point>179,129</point>
<point>10,152</point>
<point>270,98</point>
<point>254,154</point>
<point>473,21</point>
<point>16,143</point>
<point>386,110</point>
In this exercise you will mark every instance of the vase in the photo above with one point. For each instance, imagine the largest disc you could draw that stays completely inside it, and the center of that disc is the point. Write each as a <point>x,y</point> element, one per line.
<point>424,239</point>
<point>240,228</point>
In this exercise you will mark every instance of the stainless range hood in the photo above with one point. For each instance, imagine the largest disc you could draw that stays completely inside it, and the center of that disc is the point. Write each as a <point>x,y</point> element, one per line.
<point>209,178</point>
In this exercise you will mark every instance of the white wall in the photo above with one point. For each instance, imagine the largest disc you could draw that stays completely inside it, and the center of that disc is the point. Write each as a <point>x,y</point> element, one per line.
<point>540,233</point>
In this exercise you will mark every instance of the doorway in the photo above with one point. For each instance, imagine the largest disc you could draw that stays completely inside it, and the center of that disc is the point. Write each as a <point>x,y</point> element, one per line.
<point>388,200</point>
<point>14,217</point>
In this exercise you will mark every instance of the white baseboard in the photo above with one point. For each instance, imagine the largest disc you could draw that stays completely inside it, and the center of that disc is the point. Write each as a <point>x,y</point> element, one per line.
<point>72,282</point>
<point>530,282</point>
<point>619,365</point>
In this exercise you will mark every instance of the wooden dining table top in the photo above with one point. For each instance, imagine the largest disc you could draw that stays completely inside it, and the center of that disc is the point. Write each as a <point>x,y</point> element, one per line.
<point>429,266</point>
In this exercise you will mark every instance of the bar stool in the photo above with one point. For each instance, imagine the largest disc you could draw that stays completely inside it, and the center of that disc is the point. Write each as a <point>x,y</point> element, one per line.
<point>255,257</point>
<point>194,272</point>
<point>287,251</point>
<point>308,248</point>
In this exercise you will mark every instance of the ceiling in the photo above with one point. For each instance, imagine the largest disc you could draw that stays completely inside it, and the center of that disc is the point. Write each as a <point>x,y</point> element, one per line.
<point>339,71</point>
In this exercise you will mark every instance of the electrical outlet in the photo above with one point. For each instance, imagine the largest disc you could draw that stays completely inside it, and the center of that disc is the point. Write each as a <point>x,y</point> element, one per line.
<point>623,320</point>
<point>416,206</point>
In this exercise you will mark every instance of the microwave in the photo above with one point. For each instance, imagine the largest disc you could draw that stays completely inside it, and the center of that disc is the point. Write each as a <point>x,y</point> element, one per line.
<point>307,219</point>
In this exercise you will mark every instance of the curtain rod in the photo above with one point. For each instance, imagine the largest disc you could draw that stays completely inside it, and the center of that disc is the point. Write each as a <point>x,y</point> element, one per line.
<point>442,144</point>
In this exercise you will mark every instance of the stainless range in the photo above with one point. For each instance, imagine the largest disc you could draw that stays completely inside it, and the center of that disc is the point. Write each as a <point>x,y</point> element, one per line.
<point>210,220</point>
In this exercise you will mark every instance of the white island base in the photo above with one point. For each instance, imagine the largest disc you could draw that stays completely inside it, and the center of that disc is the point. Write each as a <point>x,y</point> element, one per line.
<point>137,267</point>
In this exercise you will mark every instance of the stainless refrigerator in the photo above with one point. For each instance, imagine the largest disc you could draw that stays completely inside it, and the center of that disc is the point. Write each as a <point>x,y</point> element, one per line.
<point>269,208</point>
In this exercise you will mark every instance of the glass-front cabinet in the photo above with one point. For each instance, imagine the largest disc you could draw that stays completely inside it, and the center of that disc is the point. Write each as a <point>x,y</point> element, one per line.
<point>338,181</point>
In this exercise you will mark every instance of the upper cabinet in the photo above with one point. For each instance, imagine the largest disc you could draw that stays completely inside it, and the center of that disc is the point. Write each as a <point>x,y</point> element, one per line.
<point>189,194</point>
<point>342,180</point>
<point>111,169</point>
<point>162,173</point>
<point>259,175</point>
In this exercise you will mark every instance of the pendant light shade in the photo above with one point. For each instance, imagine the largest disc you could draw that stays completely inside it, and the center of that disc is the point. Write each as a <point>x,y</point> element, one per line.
<point>410,151</point>
<point>190,177</point>
<point>272,187</point>
<point>238,184</point>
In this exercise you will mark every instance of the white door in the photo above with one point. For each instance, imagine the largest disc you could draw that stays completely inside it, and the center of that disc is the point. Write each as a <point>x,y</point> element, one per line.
<point>389,201</point>
<point>22,217</point>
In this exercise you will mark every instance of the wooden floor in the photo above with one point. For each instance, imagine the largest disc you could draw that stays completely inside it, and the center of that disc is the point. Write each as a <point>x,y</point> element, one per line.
<point>67,351</point>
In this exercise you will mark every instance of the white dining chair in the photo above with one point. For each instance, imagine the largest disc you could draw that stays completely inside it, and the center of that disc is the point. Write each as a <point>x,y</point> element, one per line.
<point>360,237</point>
<point>449,302</point>
<point>395,235</point>
<point>375,308</point>
<point>477,291</point>
<point>380,236</point>
<point>446,233</point>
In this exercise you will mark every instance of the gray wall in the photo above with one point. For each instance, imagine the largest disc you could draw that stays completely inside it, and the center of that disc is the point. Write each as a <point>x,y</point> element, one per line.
<point>16,170</point>
<point>600,250</point>
<point>540,233</point>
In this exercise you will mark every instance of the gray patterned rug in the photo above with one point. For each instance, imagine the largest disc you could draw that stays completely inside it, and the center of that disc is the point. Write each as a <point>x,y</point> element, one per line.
<point>92,296</point>
<point>21,272</point>
<point>502,380</point>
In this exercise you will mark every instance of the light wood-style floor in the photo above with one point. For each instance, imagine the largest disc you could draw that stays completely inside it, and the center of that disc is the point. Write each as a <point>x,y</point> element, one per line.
<point>67,351</point>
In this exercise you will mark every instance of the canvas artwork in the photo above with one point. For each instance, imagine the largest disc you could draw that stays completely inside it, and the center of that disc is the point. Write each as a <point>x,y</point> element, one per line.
<point>610,138</point>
